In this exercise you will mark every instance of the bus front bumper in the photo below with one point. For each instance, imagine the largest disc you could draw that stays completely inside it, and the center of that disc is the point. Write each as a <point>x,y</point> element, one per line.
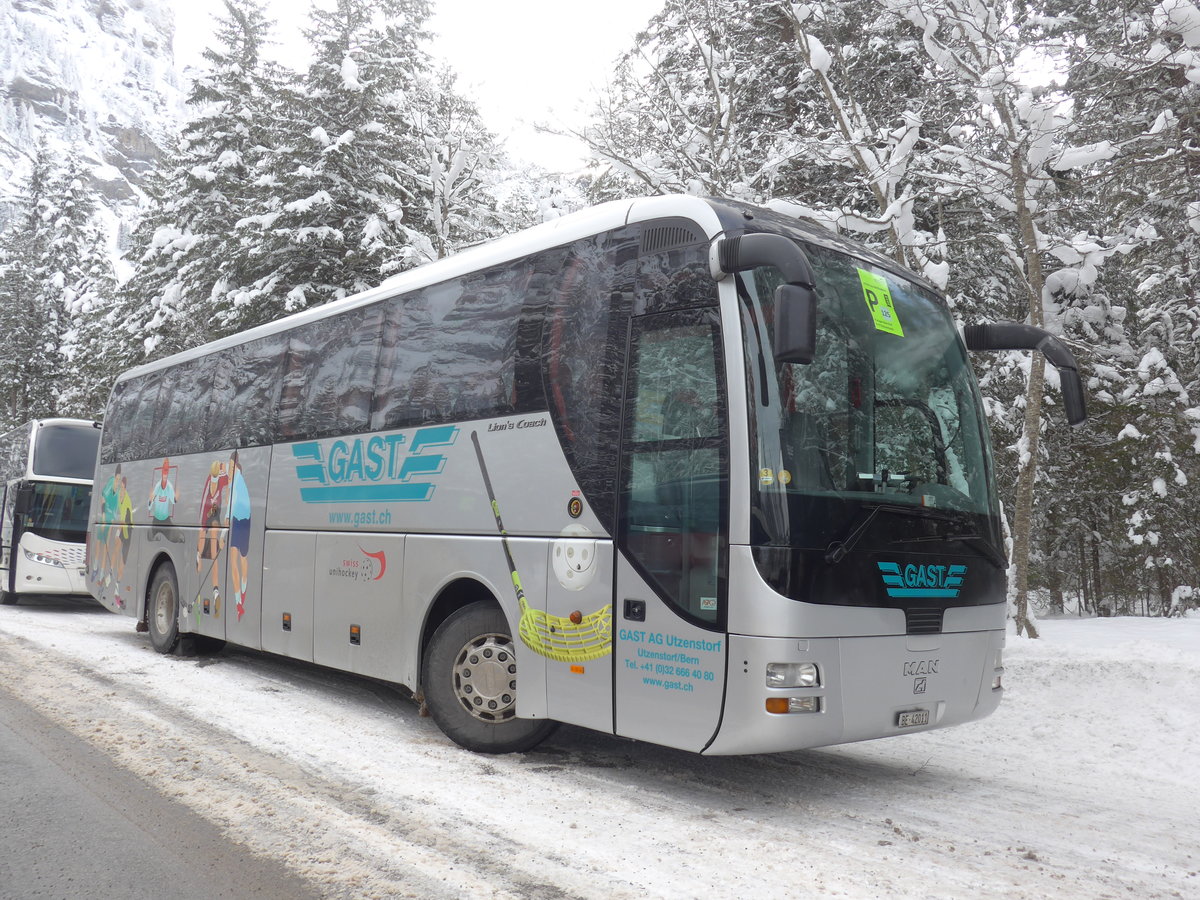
<point>40,574</point>
<point>865,687</point>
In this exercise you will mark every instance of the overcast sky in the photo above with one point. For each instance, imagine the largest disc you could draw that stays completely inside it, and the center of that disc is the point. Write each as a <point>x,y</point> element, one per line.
<point>524,61</point>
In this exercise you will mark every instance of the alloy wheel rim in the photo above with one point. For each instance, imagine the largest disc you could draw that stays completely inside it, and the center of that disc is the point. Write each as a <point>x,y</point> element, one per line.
<point>485,678</point>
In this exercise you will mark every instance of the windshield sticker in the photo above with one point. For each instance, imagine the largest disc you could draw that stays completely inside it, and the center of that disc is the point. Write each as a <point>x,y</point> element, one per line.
<point>879,300</point>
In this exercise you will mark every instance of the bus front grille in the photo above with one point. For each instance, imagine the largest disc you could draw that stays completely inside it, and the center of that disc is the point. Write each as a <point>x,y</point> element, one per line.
<point>923,620</point>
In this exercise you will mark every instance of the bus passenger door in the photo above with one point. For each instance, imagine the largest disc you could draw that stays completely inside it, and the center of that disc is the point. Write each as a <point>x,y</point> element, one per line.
<point>669,605</point>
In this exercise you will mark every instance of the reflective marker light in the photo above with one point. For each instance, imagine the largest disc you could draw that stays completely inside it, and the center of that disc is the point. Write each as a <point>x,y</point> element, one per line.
<point>790,675</point>
<point>784,705</point>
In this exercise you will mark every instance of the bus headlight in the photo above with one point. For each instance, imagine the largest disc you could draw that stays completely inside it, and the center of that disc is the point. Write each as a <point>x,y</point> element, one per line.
<point>44,560</point>
<point>791,675</point>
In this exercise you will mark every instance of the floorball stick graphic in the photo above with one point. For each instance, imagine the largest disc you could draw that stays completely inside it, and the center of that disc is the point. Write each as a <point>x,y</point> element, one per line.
<point>555,637</point>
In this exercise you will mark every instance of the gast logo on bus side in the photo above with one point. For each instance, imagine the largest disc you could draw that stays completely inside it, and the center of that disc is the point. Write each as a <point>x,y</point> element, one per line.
<point>375,469</point>
<point>932,582</point>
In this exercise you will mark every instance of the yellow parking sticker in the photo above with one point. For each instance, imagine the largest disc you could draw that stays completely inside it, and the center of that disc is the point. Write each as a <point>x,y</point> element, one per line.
<point>879,300</point>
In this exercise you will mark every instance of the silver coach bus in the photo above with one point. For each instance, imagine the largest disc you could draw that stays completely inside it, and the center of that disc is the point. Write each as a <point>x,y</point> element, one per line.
<point>706,475</point>
<point>46,471</point>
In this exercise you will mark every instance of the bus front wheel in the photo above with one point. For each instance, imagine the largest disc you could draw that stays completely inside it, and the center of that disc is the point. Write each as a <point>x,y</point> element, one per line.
<point>469,677</point>
<point>8,598</point>
<point>162,610</point>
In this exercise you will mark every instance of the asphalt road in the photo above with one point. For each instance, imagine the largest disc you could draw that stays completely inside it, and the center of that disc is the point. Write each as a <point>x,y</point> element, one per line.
<point>74,825</point>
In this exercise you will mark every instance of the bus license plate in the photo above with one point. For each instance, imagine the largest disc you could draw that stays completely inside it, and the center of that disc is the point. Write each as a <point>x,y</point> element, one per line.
<point>916,717</point>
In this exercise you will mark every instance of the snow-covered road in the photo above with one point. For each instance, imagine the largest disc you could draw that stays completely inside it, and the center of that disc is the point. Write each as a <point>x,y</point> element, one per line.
<point>1084,784</point>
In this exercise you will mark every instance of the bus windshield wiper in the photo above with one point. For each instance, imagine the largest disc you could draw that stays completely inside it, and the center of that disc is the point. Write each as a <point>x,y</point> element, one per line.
<point>973,539</point>
<point>837,550</point>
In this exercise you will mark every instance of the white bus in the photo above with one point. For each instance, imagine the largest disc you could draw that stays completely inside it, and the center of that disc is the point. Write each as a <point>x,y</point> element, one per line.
<point>706,475</point>
<point>46,469</point>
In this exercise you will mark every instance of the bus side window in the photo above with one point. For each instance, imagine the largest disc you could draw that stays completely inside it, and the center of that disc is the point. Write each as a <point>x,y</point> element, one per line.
<point>246,386</point>
<point>675,279</point>
<point>329,376</point>
<point>140,444</point>
<point>583,356</point>
<point>183,405</point>
<point>117,428</point>
<point>449,351</point>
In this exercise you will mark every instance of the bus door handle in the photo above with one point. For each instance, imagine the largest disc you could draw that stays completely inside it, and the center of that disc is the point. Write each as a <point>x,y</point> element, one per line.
<point>635,610</point>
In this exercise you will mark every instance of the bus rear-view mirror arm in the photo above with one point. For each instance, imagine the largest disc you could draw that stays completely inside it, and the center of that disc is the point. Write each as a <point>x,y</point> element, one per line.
<point>795,299</point>
<point>1016,336</point>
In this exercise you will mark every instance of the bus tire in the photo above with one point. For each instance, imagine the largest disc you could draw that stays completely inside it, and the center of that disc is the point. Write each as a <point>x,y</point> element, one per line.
<point>469,677</point>
<point>8,598</point>
<point>162,609</point>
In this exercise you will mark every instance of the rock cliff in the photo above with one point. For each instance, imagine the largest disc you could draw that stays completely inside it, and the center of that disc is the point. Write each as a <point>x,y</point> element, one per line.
<point>97,75</point>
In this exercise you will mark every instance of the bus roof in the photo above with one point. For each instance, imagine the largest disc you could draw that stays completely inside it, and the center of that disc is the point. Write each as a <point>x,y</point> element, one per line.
<point>39,423</point>
<point>714,216</point>
<point>556,232</point>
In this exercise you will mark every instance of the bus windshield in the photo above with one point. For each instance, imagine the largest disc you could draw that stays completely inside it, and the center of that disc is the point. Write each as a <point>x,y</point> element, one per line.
<point>59,511</point>
<point>887,415</point>
<point>66,451</point>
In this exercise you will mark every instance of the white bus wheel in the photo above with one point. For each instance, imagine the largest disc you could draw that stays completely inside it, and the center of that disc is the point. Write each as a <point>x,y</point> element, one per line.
<point>162,610</point>
<point>469,676</point>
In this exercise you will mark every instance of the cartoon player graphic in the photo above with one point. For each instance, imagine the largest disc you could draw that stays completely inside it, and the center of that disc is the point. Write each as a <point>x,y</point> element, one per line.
<point>208,545</point>
<point>118,511</point>
<point>108,515</point>
<point>162,504</point>
<point>239,531</point>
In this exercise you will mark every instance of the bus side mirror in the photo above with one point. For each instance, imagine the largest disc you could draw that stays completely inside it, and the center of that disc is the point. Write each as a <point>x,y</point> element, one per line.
<point>1016,336</point>
<point>23,501</point>
<point>795,299</point>
<point>795,324</point>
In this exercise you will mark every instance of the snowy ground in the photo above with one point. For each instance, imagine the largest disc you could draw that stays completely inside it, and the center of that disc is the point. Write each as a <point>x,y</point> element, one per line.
<point>1084,784</point>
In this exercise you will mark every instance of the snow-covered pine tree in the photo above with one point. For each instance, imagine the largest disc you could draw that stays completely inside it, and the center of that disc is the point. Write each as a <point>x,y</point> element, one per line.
<point>185,251</point>
<point>817,106</point>
<point>28,344</point>
<point>873,105</point>
<point>56,279</point>
<point>1135,82</point>
<point>343,194</point>
<point>693,106</point>
<point>922,120</point>
<point>459,173</point>
<point>79,289</point>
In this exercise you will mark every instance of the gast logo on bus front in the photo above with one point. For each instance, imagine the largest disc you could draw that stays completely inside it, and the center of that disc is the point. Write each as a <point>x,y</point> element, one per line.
<point>375,469</point>
<point>932,582</point>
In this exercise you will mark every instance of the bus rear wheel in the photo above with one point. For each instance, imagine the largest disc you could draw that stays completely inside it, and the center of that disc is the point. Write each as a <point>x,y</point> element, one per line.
<point>8,598</point>
<point>469,677</point>
<point>162,610</point>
